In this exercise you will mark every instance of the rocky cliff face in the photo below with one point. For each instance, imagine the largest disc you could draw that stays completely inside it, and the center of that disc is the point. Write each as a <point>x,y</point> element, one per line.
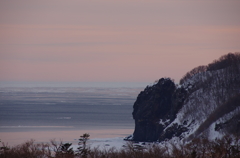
<point>161,101</point>
<point>205,103</point>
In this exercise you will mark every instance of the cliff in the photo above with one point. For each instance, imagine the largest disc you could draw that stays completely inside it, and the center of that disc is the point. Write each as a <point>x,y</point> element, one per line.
<point>206,103</point>
<point>161,101</point>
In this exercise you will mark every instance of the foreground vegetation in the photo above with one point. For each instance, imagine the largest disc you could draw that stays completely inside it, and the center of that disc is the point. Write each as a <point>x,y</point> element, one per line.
<point>227,147</point>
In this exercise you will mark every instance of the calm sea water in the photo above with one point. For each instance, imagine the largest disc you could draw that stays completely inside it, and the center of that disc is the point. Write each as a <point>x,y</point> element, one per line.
<point>55,108</point>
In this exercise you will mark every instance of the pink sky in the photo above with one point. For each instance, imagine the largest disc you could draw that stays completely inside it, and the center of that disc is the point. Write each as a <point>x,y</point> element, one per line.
<point>113,41</point>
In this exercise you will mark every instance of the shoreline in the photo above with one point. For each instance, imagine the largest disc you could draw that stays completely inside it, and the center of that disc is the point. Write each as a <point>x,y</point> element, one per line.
<point>18,137</point>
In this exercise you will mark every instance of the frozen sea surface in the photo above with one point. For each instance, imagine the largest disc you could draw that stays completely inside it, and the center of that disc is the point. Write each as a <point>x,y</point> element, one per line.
<point>55,109</point>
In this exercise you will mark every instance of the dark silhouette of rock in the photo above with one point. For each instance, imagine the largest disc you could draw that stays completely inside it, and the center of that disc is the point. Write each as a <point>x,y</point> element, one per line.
<point>161,101</point>
<point>208,96</point>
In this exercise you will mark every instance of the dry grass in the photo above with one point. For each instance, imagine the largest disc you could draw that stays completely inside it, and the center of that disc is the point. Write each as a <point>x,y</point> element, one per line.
<point>227,147</point>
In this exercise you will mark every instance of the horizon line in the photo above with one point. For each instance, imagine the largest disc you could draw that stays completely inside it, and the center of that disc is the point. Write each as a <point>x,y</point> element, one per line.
<point>93,84</point>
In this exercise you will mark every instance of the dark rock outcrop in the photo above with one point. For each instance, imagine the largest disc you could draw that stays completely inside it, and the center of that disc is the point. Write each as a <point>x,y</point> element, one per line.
<point>174,131</point>
<point>208,97</point>
<point>156,103</point>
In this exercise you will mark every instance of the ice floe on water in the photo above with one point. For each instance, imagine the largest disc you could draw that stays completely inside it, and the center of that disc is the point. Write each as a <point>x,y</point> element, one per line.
<point>105,143</point>
<point>117,143</point>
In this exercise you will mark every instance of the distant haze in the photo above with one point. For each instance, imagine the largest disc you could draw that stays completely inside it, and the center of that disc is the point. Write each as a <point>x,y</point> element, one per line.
<point>113,41</point>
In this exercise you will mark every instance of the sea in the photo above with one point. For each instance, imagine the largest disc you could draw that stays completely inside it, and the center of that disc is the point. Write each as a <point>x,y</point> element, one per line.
<point>46,111</point>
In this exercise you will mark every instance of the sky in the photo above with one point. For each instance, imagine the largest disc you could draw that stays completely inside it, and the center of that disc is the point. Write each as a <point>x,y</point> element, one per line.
<point>113,40</point>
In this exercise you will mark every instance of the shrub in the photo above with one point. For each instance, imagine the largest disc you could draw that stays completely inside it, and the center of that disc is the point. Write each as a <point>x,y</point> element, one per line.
<point>227,147</point>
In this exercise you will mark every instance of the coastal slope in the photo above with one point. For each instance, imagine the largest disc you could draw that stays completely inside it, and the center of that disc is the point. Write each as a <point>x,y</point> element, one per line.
<point>206,103</point>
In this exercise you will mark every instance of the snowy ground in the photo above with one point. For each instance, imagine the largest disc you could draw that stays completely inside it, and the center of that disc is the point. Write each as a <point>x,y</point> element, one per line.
<point>118,143</point>
<point>105,143</point>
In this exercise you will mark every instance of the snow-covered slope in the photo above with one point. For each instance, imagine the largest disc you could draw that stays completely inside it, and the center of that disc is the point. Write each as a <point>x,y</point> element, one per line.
<point>209,103</point>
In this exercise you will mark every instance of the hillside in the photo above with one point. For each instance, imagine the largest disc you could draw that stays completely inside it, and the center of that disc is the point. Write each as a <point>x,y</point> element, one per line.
<point>206,103</point>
